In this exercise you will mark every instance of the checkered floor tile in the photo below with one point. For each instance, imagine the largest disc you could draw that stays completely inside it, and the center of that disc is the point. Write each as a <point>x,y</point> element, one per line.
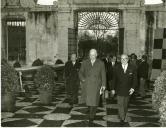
<point>30,112</point>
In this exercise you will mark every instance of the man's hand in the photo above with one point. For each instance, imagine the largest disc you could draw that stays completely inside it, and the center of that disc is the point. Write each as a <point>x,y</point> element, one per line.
<point>102,89</point>
<point>131,91</point>
<point>113,92</point>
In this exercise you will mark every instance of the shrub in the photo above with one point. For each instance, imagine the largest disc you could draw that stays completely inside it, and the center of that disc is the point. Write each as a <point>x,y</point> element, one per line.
<point>17,64</point>
<point>162,112</point>
<point>9,78</point>
<point>159,90</point>
<point>45,78</point>
<point>59,62</point>
<point>159,97</point>
<point>37,62</point>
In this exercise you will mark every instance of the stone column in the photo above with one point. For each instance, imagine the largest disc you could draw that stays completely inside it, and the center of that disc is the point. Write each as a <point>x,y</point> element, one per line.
<point>65,21</point>
<point>134,35</point>
<point>3,36</point>
<point>41,36</point>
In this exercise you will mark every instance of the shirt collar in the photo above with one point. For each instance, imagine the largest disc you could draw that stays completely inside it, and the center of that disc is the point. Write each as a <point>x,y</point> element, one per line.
<point>92,61</point>
<point>73,62</point>
<point>125,65</point>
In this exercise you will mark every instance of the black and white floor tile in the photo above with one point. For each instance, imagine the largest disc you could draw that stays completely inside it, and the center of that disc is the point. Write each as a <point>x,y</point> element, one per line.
<point>30,112</point>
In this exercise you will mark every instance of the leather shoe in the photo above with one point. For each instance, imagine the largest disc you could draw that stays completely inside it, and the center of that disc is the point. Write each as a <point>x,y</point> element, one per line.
<point>122,122</point>
<point>90,123</point>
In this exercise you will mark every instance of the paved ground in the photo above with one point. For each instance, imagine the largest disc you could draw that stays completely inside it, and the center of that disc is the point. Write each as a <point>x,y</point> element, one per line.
<point>31,113</point>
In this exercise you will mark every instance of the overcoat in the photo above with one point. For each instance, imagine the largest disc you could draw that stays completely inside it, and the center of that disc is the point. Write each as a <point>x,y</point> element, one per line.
<point>94,77</point>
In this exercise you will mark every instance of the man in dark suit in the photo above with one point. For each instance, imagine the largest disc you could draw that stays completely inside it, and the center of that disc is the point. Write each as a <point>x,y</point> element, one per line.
<point>143,69</point>
<point>112,66</point>
<point>107,64</point>
<point>124,82</point>
<point>93,77</point>
<point>72,79</point>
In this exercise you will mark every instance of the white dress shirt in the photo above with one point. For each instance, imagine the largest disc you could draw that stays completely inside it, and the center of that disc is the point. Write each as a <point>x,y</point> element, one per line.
<point>125,67</point>
<point>92,62</point>
<point>73,63</point>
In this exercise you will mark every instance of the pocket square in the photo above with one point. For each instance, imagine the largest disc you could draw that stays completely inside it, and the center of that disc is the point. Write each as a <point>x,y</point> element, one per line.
<point>130,73</point>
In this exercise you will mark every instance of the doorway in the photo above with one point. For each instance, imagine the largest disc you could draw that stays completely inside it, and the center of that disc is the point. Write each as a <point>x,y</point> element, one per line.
<point>99,30</point>
<point>16,40</point>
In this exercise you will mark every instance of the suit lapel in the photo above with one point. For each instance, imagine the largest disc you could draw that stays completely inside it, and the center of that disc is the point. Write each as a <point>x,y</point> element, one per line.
<point>128,67</point>
<point>89,63</point>
<point>121,69</point>
<point>95,62</point>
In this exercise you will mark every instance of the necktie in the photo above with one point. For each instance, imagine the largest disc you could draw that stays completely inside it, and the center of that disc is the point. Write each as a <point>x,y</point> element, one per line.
<point>92,62</point>
<point>124,68</point>
<point>113,63</point>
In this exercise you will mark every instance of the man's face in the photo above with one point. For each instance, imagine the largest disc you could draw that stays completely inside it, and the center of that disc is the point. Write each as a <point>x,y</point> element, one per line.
<point>73,57</point>
<point>114,59</point>
<point>93,55</point>
<point>124,59</point>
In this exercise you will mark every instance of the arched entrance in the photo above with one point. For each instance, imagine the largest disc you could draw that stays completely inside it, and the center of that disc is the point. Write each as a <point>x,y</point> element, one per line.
<point>99,30</point>
<point>131,25</point>
<point>96,29</point>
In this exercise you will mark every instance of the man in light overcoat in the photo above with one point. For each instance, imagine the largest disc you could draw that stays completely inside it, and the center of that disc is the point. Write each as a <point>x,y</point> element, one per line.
<point>93,77</point>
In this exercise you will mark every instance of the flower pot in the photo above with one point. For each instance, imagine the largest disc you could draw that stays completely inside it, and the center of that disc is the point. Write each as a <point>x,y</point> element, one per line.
<point>45,96</point>
<point>8,102</point>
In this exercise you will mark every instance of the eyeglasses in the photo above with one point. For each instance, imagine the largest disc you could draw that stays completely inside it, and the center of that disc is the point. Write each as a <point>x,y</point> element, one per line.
<point>124,58</point>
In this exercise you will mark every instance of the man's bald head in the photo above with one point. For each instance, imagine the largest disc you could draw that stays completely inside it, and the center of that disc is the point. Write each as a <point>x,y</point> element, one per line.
<point>93,54</point>
<point>124,59</point>
<point>124,56</point>
<point>73,57</point>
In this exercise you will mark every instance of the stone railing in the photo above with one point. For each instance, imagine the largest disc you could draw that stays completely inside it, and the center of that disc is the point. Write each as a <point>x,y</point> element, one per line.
<point>30,70</point>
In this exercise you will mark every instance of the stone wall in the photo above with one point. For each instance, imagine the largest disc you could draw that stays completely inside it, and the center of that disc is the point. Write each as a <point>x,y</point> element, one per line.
<point>41,35</point>
<point>134,35</point>
<point>47,27</point>
<point>133,21</point>
<point>161,19</point>
<point>103,1</point>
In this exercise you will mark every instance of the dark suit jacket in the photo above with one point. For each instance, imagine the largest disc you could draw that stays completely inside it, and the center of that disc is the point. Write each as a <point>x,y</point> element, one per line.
<point>71,71</point>
<point>109,69</point>
<point>143,69</point>
<point>123,82</point>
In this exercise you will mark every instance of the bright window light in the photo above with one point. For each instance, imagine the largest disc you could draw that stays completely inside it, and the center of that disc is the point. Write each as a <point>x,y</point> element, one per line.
<point>45,2</point>
<point>153,1</point>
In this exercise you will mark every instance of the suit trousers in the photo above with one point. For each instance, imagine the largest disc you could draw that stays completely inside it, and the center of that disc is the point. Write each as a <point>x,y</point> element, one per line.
<point>72,92</point>
<point>92,112</point>
<point>142,87</point>
<point>122,106</point>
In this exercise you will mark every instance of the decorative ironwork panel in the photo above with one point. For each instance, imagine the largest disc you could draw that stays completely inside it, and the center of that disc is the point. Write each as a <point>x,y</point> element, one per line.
<point>98,20</point>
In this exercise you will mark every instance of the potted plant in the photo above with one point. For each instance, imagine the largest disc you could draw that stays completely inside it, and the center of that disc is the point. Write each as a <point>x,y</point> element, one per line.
<point>9,86</point>
<point>44,81</point>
